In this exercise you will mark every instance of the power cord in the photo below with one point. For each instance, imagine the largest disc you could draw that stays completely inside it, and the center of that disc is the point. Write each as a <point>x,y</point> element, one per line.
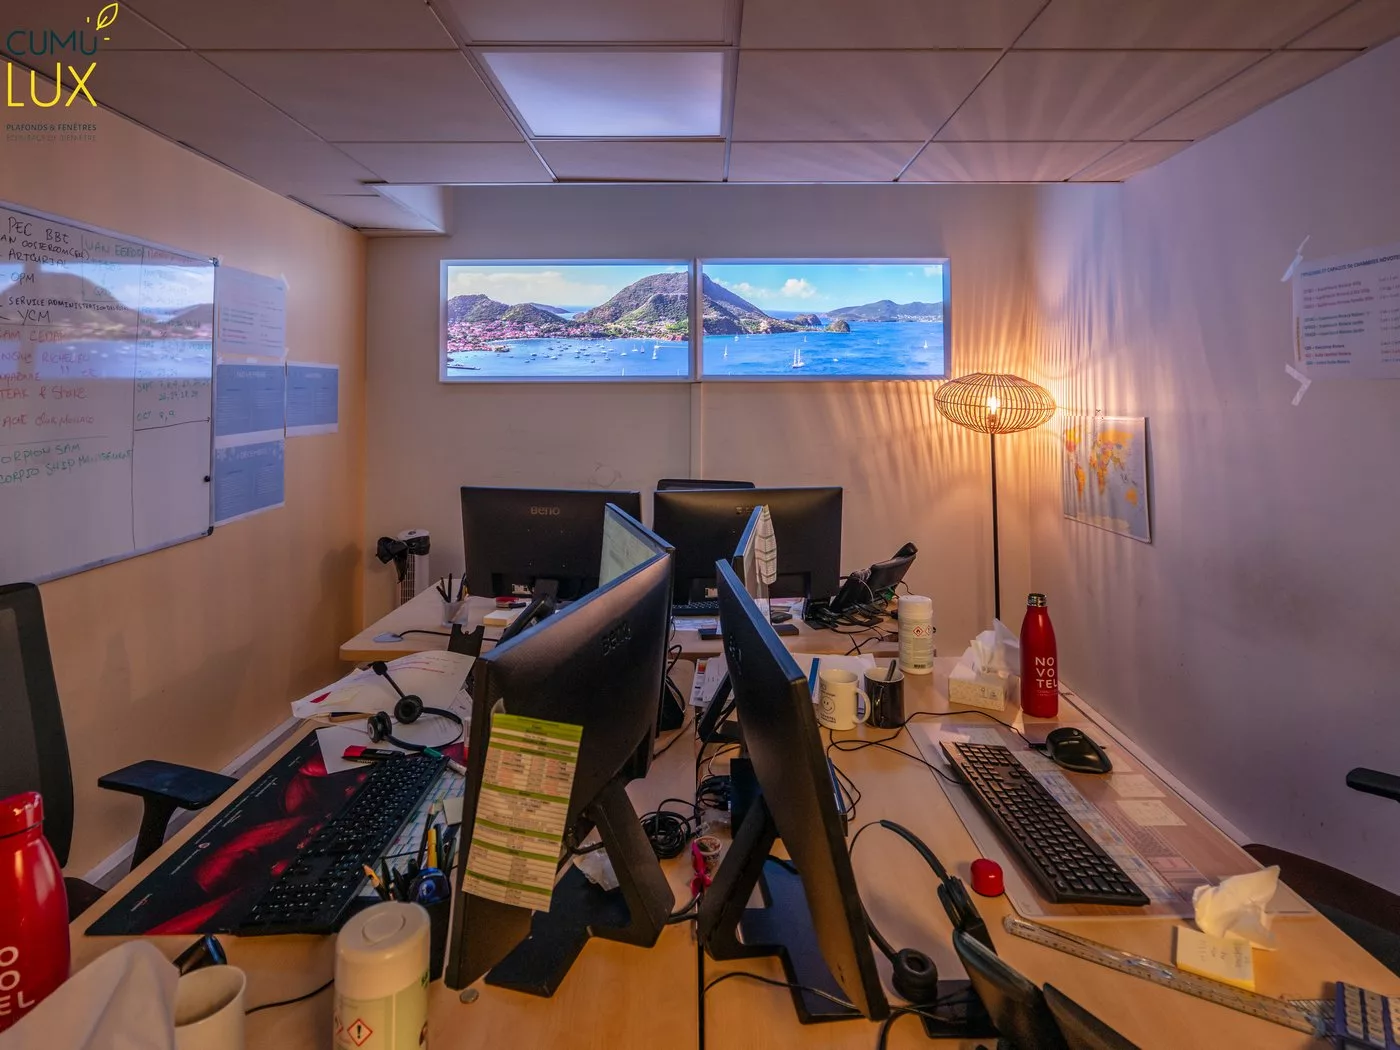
<point>289,1002</point>
<point>670,832</point>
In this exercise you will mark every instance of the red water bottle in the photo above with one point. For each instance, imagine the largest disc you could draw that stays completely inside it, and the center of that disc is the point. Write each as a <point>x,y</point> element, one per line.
<point>33,910</point>
<point>1040,673</point>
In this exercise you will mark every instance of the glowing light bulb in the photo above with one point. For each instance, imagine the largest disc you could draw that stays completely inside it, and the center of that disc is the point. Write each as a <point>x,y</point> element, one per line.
<point>993,404</point>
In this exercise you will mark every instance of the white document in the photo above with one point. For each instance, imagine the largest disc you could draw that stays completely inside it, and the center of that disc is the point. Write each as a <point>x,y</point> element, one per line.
<point>1346,315</point>
<point>1150,813</point>
<point>435,676</point>
<point>1133,785</point>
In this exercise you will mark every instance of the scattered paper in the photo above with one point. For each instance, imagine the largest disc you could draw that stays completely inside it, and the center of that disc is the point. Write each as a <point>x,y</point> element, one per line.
<point>708,675</point>
<point>431,730</point>
<point>1150,813</point>
<point>527,779</point>
<point>696,623</point>
<point>452,810</point>
<point>435,676</point>
<point>1219,958</point>
<point>1134,785</point>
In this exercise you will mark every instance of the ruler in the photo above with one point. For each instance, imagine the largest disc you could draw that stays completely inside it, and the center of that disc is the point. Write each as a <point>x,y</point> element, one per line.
<point>1303,1015</point>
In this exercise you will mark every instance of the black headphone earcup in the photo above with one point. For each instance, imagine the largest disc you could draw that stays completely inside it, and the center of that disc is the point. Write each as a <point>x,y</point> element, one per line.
<point>379,727</point>
<point>407,710</point>
<point>915,977</point>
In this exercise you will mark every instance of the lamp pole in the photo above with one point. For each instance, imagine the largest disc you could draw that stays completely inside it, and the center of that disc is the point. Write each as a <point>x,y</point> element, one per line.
<point>996,546</point>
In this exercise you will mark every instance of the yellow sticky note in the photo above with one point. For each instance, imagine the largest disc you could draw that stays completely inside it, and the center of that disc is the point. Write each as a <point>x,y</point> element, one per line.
<point>1226,959</point>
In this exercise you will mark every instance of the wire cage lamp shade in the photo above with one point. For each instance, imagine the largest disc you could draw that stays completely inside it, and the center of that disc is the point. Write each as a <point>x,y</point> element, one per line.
<point>994,403</point>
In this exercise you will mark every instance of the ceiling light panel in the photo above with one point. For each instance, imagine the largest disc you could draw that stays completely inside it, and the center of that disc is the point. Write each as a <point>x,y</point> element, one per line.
<point>613,94</point>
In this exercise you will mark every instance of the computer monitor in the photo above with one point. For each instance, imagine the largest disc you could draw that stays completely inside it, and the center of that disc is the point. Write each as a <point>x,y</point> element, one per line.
<point>705,526</point>
<point>523,541</point>
<point>670,484</point>
<point>813,919</point>
<point>627,543</point>
<point>596,664</point>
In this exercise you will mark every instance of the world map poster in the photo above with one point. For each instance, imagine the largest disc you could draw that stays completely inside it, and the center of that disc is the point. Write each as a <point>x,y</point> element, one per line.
<point>1105,474</point>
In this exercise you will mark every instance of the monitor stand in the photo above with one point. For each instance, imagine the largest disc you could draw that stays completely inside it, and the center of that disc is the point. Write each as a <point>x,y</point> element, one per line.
<point>729,929</point>
<point>634,913</point>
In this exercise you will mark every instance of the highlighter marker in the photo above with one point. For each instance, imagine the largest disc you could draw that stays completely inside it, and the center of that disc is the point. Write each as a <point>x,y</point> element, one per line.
<point>357,753</point>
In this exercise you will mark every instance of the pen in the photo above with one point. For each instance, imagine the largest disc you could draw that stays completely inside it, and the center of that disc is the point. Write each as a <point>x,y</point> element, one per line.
<point>430,848</point>
<point>456,767</point>
<point>376,882</point>
<point>889,671</point>
<point>462,588</point>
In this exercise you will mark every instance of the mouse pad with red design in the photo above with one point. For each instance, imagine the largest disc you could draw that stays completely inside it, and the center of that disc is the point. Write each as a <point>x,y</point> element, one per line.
<point>211,882</point>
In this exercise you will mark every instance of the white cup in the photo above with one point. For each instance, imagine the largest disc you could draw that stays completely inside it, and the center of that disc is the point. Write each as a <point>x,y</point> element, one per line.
<point>837,692</point>
<point>209,1009</point>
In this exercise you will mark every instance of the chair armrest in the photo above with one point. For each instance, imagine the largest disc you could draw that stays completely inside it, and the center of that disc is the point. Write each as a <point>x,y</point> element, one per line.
<point>1374,782</point>
<point>184,786</point>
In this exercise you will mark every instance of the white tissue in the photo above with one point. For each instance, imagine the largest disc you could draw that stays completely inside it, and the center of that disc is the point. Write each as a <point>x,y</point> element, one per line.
<point>1235,908</point>
<point>125,998</point>
<point>996,651</point>
<point>598,869</point>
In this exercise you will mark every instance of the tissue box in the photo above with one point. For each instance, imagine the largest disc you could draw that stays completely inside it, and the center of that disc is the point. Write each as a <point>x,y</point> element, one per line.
<point>976,689</point>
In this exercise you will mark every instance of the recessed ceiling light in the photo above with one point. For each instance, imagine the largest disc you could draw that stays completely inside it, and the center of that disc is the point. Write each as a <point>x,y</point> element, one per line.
<point>613,94</point>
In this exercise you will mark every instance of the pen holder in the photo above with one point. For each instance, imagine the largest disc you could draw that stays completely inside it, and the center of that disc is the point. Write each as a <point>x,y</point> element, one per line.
<point>450,612</point>
<point>438,915</point>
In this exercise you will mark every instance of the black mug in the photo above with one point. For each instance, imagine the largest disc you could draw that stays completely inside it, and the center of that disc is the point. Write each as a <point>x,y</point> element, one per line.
<point>886,697</point>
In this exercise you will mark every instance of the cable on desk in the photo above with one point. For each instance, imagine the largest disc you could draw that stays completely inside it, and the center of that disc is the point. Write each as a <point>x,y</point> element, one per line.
<point>670,832</point>
<point>713,792</point>
<point>680,732</point>
<point>861,745</point>
<point>955,714</point>
<point>744,975</point>
<point>289,1002</point>
<point>417,630</point>
<point>685,914</point>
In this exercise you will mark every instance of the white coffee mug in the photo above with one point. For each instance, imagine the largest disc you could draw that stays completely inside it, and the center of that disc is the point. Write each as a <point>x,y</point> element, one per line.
<point>837,693</point>
<point>209,1009</point>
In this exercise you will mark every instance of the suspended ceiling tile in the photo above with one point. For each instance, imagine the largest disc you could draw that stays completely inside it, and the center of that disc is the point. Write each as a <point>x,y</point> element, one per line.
<point>1258,85</point>
<point>1364,24</point>
<point>395,96</point>
<point>613,94</point>
<point>1088,95</point>
<point>636,161</point>
<point>449,162</point>
<point>823,96</point>
<point>130,32</point>
<point>819,161</point>
<point>368,211</point>
<point>885,23</point>
<point>1003,161</point>
<point>294,168</point>
<point>1239,24</point>
<point>1129,159</point>
<point>592,21</point>
<point>298,24</point>
<point>185,98</point>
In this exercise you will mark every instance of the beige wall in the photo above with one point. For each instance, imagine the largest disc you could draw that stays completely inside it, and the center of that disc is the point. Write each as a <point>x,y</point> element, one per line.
<point>191,654</point>
<point>908,474</point>
<point>1252,646</point>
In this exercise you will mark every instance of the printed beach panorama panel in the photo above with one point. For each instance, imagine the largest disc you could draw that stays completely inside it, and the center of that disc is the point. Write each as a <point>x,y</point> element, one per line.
<point>567,321</point>
<point>799,320</point>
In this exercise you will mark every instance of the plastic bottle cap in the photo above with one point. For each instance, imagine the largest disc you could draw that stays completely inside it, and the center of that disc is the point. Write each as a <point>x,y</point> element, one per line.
<point>21,812</point>
<point>915,607</point>
<point>381,927</point>
<point>987,878</point>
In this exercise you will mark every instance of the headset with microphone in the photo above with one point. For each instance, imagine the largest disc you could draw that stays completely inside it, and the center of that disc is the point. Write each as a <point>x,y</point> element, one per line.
<point>915,976</point>
<point>407,710</point>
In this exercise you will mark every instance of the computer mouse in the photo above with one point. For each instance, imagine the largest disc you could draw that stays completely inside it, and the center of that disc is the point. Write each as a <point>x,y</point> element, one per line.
<point>1070,748</point>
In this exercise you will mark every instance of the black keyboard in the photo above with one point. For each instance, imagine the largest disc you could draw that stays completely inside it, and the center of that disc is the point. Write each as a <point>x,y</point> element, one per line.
<point>314,893</point>
<point>1068,865</point>
<point>706,608</point>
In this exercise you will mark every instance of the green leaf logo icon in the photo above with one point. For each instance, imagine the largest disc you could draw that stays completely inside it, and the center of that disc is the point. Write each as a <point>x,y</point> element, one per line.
<point>107,16</point>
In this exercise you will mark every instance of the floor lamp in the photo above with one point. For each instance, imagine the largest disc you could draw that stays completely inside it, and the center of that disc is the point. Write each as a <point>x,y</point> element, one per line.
<point>994,403</point>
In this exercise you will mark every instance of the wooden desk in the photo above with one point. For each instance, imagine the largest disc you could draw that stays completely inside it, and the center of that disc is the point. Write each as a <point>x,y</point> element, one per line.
<point>424,613</point>
<point>900,893</point>
<point>614,996</point>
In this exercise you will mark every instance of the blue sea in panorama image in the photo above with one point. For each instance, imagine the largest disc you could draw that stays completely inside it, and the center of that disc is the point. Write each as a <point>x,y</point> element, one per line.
<point>760,320</point>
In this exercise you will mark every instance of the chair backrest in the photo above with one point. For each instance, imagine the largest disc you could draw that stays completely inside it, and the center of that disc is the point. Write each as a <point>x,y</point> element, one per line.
<point>1081,1029</point>
<point>1015,1005</point>
<point>666,484</point>
<point>33,747</point>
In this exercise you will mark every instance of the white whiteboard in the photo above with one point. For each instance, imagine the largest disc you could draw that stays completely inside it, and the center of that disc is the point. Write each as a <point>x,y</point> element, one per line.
<point>106,374</point>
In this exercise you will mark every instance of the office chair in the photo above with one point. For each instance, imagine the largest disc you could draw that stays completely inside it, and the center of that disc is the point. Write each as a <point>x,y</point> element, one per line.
<point>666,484</point>
<point>1017,1007</point>
<point>1081,1029</point>
<point>1366,913</point>
<point>34,747</point>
